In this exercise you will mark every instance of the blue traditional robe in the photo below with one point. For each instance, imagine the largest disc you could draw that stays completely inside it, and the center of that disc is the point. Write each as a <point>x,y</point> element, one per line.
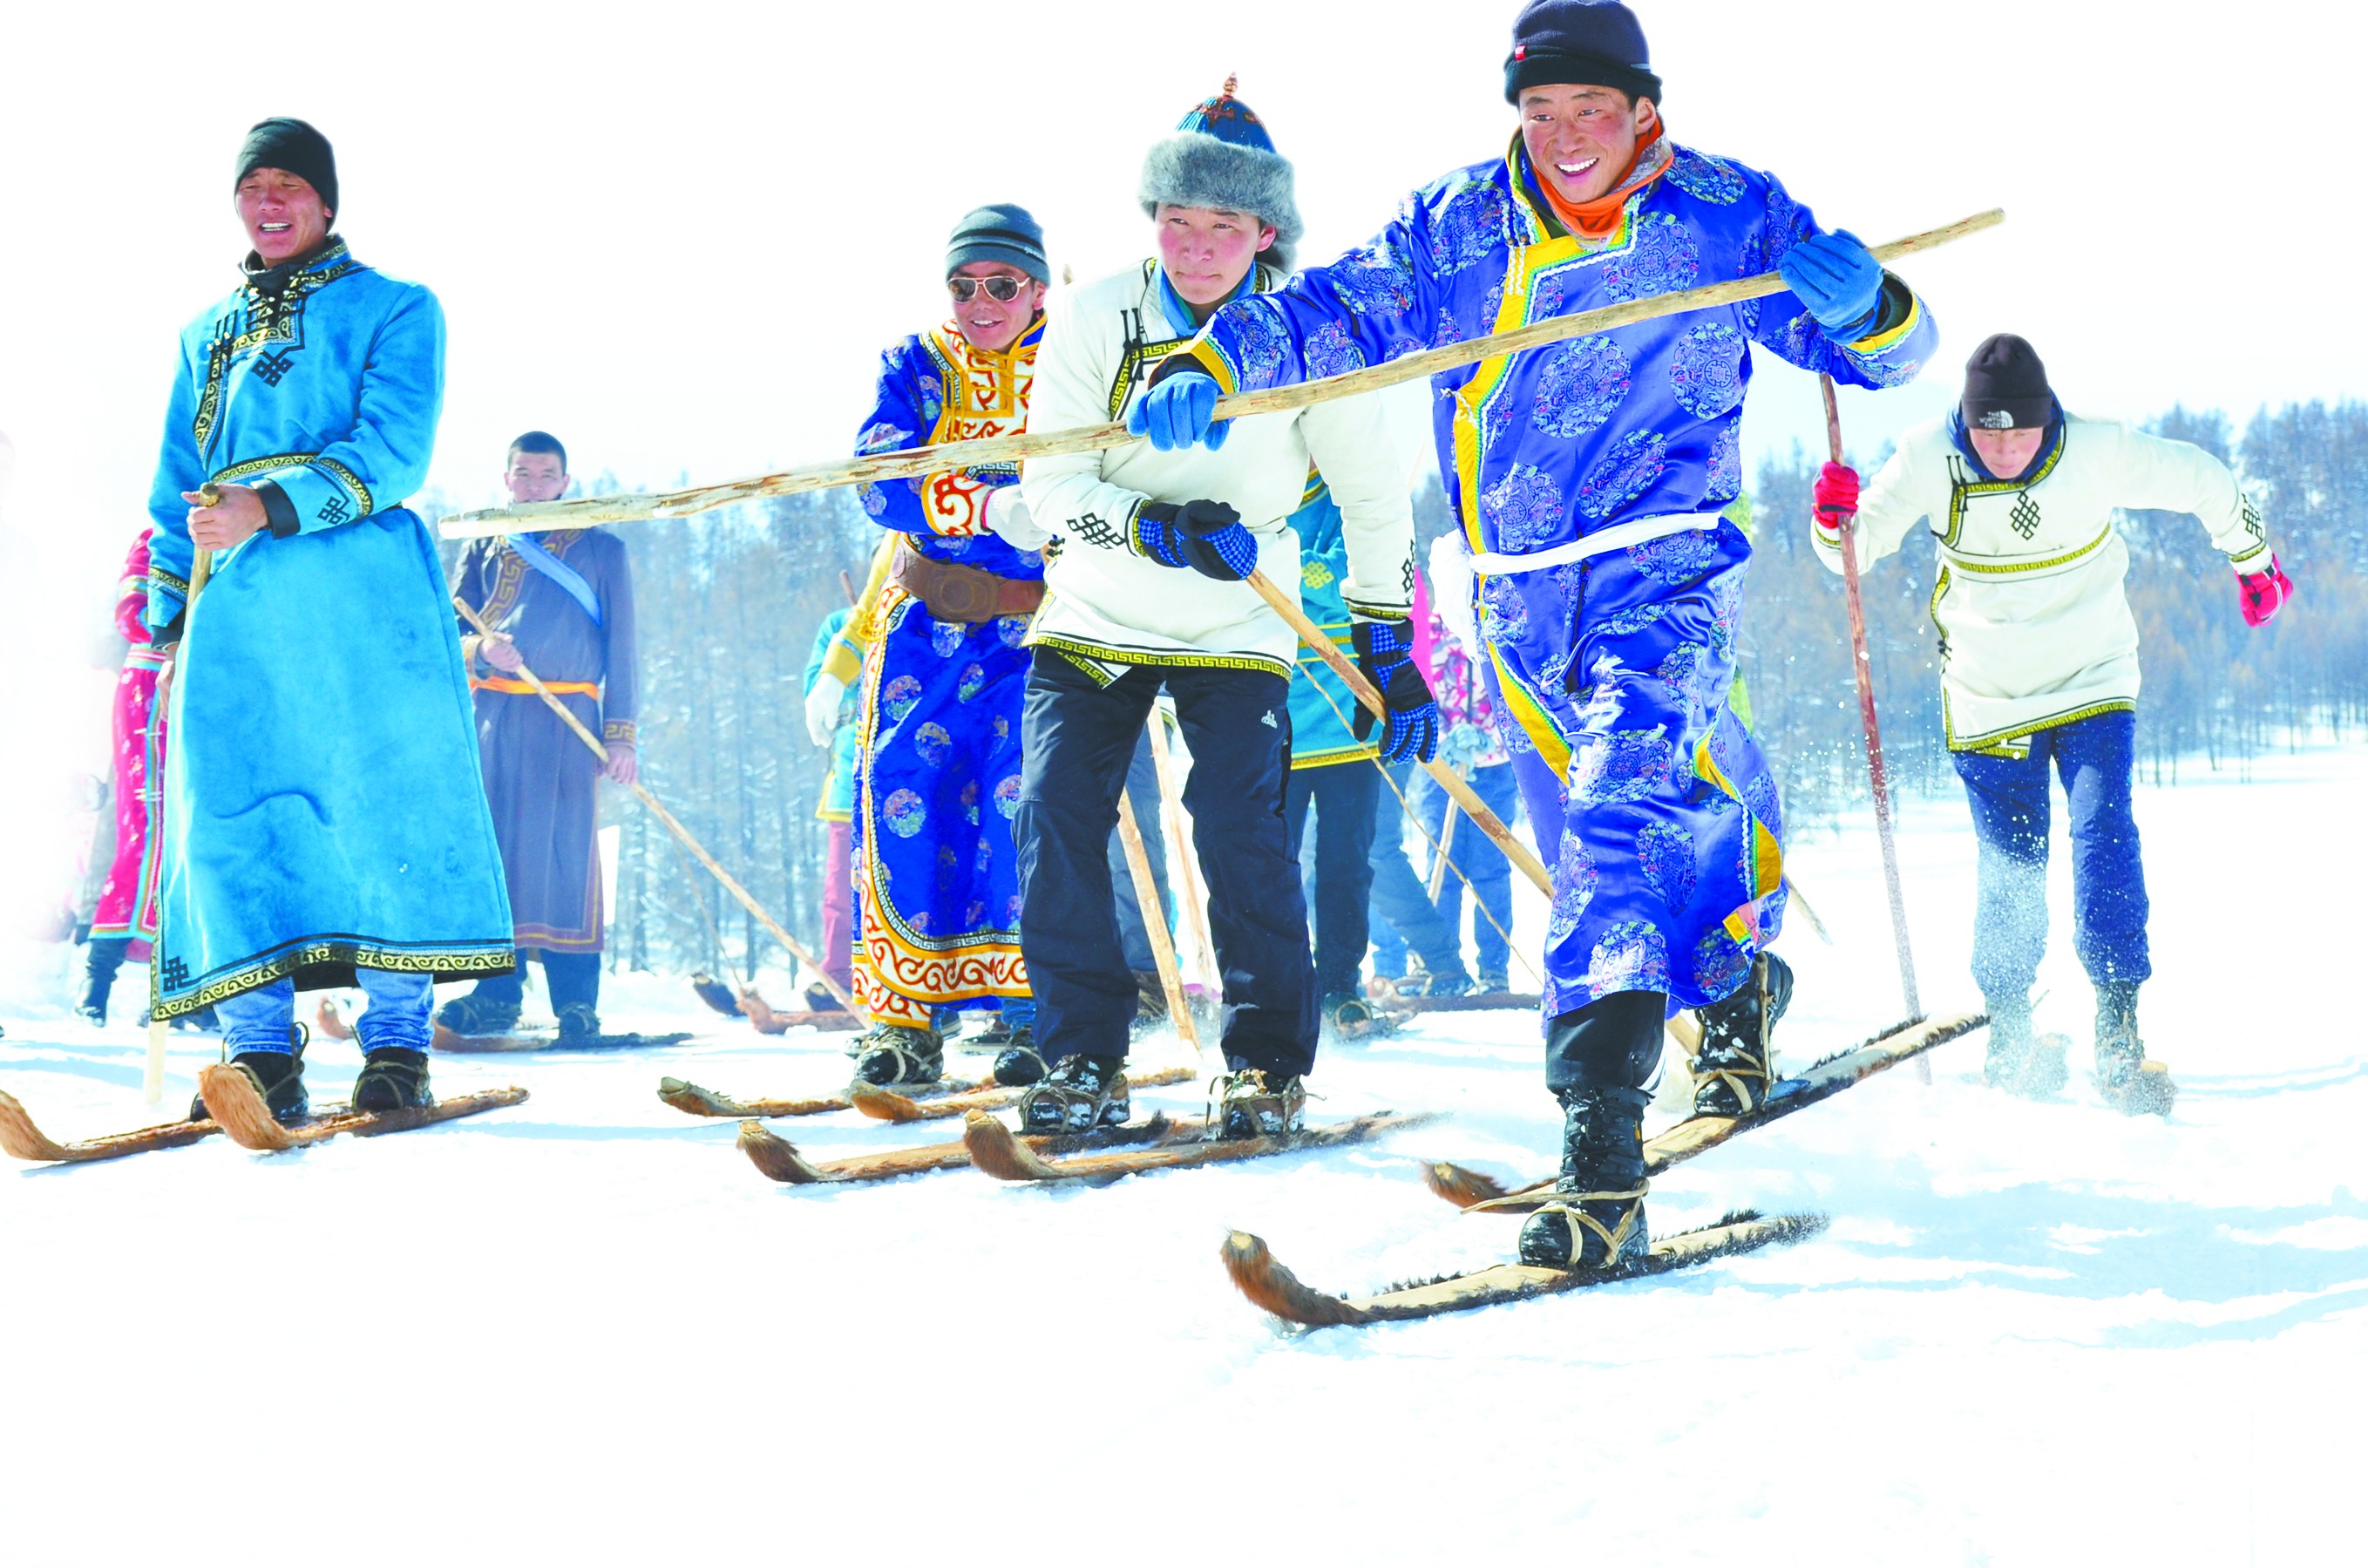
<point>540,778</point>
<point>321,803</point>
<point>936,879</point>
<point>1616,666</point>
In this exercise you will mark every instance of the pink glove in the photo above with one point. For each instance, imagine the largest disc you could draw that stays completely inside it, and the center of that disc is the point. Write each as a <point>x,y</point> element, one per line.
<point>1837,498</point>
<point>2265,593</point>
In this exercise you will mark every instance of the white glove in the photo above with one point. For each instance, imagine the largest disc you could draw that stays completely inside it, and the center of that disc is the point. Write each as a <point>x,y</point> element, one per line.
<point>822,708</point>
<point>1008,514</point>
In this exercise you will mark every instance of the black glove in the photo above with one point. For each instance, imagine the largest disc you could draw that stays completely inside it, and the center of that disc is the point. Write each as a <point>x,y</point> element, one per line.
<point>1207,535</point>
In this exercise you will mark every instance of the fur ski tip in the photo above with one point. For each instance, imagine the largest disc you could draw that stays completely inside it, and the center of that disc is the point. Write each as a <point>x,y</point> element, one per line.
<point>884,1104</point>
<point>21,1139</point>
<point>330,1022</point>
<point>776,1156</point>
<point>692,1101</point>
<point>995,1151</point>
<point>1274,1289</point>
<point>231,1095</point>
<point>1460,1187</point>
<point>715,994</point>
<point>759,1012</point>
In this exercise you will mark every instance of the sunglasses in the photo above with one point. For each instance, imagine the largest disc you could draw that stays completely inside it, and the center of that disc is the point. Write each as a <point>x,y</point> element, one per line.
<point>1001,288</point>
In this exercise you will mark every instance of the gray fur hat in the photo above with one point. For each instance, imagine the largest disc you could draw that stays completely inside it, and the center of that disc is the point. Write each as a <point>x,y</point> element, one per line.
<point>1222,156</point>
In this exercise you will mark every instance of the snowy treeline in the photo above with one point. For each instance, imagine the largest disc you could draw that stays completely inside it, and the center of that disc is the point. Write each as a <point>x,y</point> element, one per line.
<point>2214,690</point>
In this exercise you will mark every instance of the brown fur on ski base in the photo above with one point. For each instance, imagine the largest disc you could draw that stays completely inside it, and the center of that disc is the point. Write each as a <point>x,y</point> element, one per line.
<point>768,1021</point>
<point>779,1159</point>
<point>692,1101</point>
<point>886,1105</point>
<point>997,1153</point>
<point>1271,1286</point>
<point>332,1023</point>
<point>230,1095</point>
<point>1460,1187</point>
<point>20,1139</point>
<point>1699,1134</point>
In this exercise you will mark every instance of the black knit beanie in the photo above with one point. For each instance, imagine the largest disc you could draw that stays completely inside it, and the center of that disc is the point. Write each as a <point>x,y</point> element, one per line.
<point>1000,232</point>
<point>295,147</point>
<point>1587,44</point>
<point>2005,387</point>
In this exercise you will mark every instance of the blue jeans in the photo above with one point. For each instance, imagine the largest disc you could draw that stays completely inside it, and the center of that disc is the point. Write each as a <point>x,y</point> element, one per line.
<point>264,1019</point>
<point>1473,853</point>
<point>1343,798</point>
<point>2094,759</point>
<point>1403,915</point>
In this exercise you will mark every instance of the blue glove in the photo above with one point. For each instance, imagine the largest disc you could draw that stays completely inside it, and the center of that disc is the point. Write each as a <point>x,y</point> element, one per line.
<point>1838,279</point>
<point>1207,535</point>
<point>1177,412</point>
<point>1385,655</point>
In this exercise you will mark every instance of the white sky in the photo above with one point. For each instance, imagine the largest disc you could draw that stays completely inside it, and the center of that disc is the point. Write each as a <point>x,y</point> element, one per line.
<point>678,235</point>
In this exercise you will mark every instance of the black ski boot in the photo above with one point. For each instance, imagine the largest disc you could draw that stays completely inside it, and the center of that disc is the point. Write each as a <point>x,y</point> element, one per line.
<point>579,1023</point>
<point>1080,1094</point>
<point>1596,1217</point>
<point>900,1056</point>
<point>2130,1083</point>
<point>1735,1067</point>
<point>1017,1064</point>
<point>278,1076</point>
<point>1248,1103</point>
<point>92,1005</point>
<point>394,1077</point>
<point>2017,1061</point>
<point>477,1017</point>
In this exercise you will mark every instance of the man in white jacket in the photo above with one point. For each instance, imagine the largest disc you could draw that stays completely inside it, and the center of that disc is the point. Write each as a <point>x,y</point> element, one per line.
<point>2039,660</point>
<point>1144,589</point>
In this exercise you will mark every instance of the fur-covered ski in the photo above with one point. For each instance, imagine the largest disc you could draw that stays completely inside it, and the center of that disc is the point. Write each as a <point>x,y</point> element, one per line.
<point>24,1140</point>
<point>1480,1002</point>
<point>692,1101</point>
<point>538,1040</point>
<point>1272,1285</point>
<point>996,1151</point>
<point>886,1105</point>
<point>1903,1042</point>
<point>230,1093</point>
<point>778,1158</point>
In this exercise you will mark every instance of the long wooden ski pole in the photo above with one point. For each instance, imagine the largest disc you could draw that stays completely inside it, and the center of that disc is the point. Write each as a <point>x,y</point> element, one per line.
<point>1362,689</point>
<point>1155,923</point>
<point>1171,814</point>
<point>201,571</point>
<point>1439,859</point>
<point>584,511</point>
<point>1878,778</point>
<point>682,834</point>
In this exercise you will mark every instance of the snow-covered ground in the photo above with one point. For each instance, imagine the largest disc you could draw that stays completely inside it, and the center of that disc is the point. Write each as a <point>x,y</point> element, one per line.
<point>586,1330</point>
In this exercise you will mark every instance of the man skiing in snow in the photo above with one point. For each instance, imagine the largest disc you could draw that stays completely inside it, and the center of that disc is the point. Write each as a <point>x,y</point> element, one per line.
<point>1589,478</point>
<point>2039,662</point>
<point>324,820</point>
<point>561,604</point>
<point>1147,590</point>
<point>937,884</point>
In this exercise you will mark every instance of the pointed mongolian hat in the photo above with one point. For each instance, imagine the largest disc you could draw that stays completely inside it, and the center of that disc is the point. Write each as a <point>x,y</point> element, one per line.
<point>1222,156</point>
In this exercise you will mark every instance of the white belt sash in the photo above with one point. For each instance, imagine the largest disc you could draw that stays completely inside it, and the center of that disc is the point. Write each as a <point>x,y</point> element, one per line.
<point>1603,541</point>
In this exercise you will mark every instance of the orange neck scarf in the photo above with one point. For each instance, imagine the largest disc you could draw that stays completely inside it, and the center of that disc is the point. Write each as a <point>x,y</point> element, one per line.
<point>1595,221</point>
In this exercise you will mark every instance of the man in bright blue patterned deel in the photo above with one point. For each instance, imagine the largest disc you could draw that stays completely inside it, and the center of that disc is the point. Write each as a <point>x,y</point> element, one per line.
<point>1589,477</point>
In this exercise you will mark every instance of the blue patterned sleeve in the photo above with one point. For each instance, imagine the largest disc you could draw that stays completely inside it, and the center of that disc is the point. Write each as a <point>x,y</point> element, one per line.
<point>909,401</point>
<point>1890,356</point>
<point>1375,303</point>
<point>385,460</point>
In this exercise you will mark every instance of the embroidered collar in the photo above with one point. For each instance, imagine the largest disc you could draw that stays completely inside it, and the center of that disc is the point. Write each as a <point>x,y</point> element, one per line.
<point>272,281</point>
<point>1026,340</point>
